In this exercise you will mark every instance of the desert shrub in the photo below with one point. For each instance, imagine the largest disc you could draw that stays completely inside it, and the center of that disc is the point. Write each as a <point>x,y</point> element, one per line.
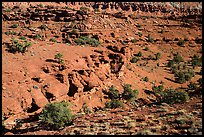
<point>10,33</point>
<point>134,40</point>
<point>128,92</point>
<point>172,96</point>
<point>43,27</point>
<point>146,49</point>
<point>192,86</point>
<point>150,39</point>
<point>157,56</point>
<point>140,34</point>
<point>59,56</point>
<point>159,88</point>
<point>53,40</point>
<point>113,93</point>
<point>138,25</point>
<point>17,46</point>
<point>56,115</point>
<point>14,26</point>
<point>37,36</point>
<point>113,104</point>
<point>146,79</point>
<point>139,54</point>
<point>86,40</point>
<point>181,42</point>
<point>196,61</point>
<point>177,58</point>
<point>170,63</point>
<point>22,38</point>
<point>85,108</point>
<point>183,76</point>
<point>134,59</point>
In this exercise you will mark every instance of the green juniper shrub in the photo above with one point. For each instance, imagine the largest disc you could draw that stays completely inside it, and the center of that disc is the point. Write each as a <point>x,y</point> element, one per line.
<point>129,93</point>
<point>177,58</point>
<point>196,61</point>
<point>37,36</point>
<point>183,76</point>
<point>43,27</point>
<point>150,39</point>
<point>157,56</point>
<point>134,40</point>
<point>59,56</point>
<point>139,54</point>
<point>10,33</point>
<point>192,86</point>
<point>159,88</point>
<point>170,63</point>
<point>113,104</point>
<point>53,40</point>
<point>146,79</point>
<point>113,93</point>
<point>181,42</point>
<point>134,59</point>
<point>56,115</point>
<point>140,34</point>
<point>16,46</point>
<point>146,49</point>
<point>14,26</point>
<point>22,38</point>
<point>86,40</point>
<point>172,96</point>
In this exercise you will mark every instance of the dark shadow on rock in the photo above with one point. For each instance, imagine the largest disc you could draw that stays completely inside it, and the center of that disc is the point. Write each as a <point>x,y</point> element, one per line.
<point>51,60</point>
<point>170,79</point>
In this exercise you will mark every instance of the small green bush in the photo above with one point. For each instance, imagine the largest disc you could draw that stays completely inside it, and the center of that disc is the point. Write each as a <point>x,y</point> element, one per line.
<point>192,86</point>
<point>139,54</point>
<point>129,93</point>
<point>22,38</point>
<point>59,56</point>
<point>177,58</point>
<point>16,46</point>
<point>138,25</point>
<point>37,36</point>
<point>53,40</point>
<point>134,59</point>
<point>157,56</point>
<point>134,40</point>
<point>170,63</point>
<point>113,93</point>
<point>172,96</point>
<point>196,61</point>
<point>146,79</point>
<point>140,34</point>
<point>159,88</point>
<point>10,33</point>
<point>150,39</point>
<point>43,27</point>
<point>114,104</point>
<point>146,49</point>
<point>181,42</point>
<point>14,26</point>
<point>86,40</point>
<point>56,115</point>
<point>183,76</point>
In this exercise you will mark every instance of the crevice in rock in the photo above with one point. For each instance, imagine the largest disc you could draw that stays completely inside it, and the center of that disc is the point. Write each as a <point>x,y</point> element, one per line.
<point>60,77</point>
<point>72,89</point>
<point>49,96</point>
<point>33,108</point>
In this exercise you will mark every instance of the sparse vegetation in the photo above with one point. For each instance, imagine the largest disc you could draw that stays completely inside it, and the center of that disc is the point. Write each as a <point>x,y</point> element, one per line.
<point>22,38</point>
<point>146,49</point>
<point>37,36</point>
<point>113,93</point>
<point>113,104</point>
<point>177,58</point>
<point>157,89</point>
<point>172,96</point>
<point>181,42</point>
<point>150,39</point>
<point>56,115</point>
<point>134,40</point>
<point>14,26</point>
<point>140,34</point>
<point>146,79</point>
<point>196,61</point>
<point>183,76</point>
<point>53,40</point>
<point>134,59</point>
<point>10,33</point>
<point>43,27</point>
<point>59,57</point>
<point>139,54</point>
<point>138,25</point>
<point>129,93</point>
<point>157,56</point>
<point>86,40</point>
<point>17,46</point>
